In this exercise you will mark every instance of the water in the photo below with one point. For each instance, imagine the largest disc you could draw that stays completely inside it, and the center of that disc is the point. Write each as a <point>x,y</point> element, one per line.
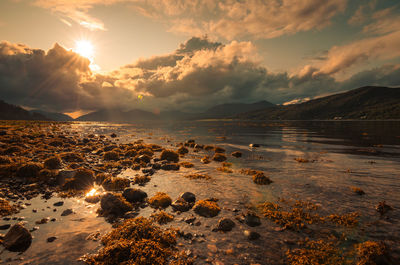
<point>343,154</point>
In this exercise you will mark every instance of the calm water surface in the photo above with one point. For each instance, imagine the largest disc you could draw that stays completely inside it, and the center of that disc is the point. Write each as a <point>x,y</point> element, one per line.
<point>344,154</point>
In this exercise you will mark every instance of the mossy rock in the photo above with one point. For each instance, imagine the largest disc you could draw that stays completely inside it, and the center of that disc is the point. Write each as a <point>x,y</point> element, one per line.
<point>170,156</point>
<point>219,157</point>
<point>207,208</point>
<point>52,163</point>
<point>114,203</point>
<point>160,200</point>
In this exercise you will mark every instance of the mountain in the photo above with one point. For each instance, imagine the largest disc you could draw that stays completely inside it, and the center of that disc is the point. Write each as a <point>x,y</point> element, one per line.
<point>231,109</point>
<point>13,112</point>
<point>218,111</point>
<point>370,102</point>
<point>55,116</point>
<point>118,116</point>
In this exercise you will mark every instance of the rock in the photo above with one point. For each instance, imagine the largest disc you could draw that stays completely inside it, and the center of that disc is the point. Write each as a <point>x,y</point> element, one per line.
<point>219,157</point>
<point>111,183</point>
<point>51,239</point>
<point>170,156</point>
<point>172,166</point>
<point>18,238</point>
<point>188,196</point>
<point>383,208</point>
<point>134,195</point>
<point>67,212</point>
<point>206,208</point>
<point>52,163</point>
<point>43,221</point>
<point>252,219</point>
<point>111,156</point>
<point>254,145</point>
<point>182,150</point>
<point>236,154</point>
<point>4,227</point>
<point>205,160</point>
<point>261,179</point>
<point>251,235</point>
<point>82,180</point>
<point>34,228</point>
<point>93,198</point>
<point>148,171</point>
<point>225,224</point>
<point>60,203</point>
<point>29,170</point>
<point>113,135</point>
<point>64,175</point>
<point>114,203</point>
<point>190,220</point>
<point>143,158</point>
<point>160,199</point>
<point>130,214</point>
<point>156,166</point>
<point>181,205</point>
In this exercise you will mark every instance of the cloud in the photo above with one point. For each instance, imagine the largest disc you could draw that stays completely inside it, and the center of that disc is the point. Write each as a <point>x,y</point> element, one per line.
<point>378,48</point>
<point>34,78</point>
<point>229,19</point>
<point>76,11</point>
<point>362,13</point>
<point>200,73</point>
<point>381,44</point>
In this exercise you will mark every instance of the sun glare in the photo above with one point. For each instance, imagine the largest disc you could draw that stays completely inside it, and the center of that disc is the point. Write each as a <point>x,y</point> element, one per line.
<point>84,48</point>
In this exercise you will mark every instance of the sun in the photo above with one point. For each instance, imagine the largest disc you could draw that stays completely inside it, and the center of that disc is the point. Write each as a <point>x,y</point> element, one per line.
<point>84,48</point>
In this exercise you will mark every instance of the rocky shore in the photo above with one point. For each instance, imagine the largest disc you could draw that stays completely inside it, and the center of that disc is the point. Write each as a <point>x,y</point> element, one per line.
<point>52,160</point>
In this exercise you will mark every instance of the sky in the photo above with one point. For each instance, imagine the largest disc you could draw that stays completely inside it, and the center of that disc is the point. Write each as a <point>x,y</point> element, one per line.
<point>77,56</point>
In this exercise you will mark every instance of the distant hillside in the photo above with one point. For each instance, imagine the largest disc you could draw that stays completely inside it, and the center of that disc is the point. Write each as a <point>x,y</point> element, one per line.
<point>230,109</point>
<point>362,103</point>
<point>216,112</point>
<point>55,116</point>
<point>118,116</point>
<point>12,112</point>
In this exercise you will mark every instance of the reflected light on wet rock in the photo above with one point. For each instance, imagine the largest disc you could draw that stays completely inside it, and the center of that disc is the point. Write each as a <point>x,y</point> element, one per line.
<point>93,196</point>
<point>92,192</point>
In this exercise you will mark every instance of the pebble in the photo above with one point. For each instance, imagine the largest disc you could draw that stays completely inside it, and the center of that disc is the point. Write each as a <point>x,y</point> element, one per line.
<point>5,227</point>
<point>225,224</point>
<point>67,212</point>
<point>251,235</point>
<point>60,203</point>
<point>51,239</point>
<point>43,221</point>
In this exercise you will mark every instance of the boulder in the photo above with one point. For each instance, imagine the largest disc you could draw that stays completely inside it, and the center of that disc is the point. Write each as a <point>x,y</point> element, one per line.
<point>181,205</point>
<point>134,195</point>
<point>225,224</point>
<point>188,196</point>
<point>160,199</point>
<point>17,239</point>
<point>172,166</point>
<point>114,203</point>
<point>169,155</point>
<point>252,219</point>
<point>207,208</point>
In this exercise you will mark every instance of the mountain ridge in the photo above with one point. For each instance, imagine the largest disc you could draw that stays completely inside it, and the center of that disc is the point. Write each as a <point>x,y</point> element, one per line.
<point>14,112</point>
<point>368,102</point>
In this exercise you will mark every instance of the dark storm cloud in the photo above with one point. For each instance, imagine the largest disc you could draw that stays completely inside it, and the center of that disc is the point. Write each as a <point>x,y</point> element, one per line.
<point>34,78</point>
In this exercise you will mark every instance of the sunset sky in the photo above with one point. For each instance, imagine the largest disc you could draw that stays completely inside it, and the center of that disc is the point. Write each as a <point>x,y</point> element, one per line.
<point>190,55</point>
